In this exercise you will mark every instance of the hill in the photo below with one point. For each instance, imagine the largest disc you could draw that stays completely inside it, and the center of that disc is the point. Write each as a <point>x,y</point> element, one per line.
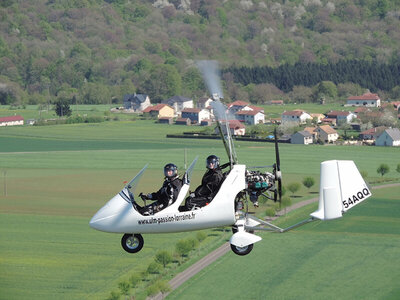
<point>95,51</point>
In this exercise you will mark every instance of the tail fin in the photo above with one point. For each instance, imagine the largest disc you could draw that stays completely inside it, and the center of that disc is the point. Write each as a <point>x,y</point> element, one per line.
<point>341,188</point>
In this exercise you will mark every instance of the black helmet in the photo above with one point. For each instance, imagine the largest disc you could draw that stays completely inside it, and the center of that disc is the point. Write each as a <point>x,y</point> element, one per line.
<point>170,167</point>
<point>212,159</point>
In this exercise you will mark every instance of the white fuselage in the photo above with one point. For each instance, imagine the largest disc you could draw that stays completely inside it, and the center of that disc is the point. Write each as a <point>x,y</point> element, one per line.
<point>119,216</point>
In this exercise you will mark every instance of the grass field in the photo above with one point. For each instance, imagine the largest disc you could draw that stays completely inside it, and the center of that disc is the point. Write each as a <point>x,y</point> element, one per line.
<point>56,177</point>
<point>356,257</point>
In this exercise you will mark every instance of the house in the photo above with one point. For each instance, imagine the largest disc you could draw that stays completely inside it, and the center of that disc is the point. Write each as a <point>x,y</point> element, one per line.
<point>235,106</point>
<point>295,116</point>
<point>317,117</point>
<point>361,109</point>
<point>372,133</point>
<point>11,120</point>
<point>389,137</point>
<point>196,115</point>
<point>253,107</point>
<point>204,103</point>
<point>178,103</point>
<point>367,99</point>
<point>330,121</point>
<point>341,116</point>
<point>327,134</point>
<point>312,131</point>
<point>160,111</point>
<point>136,102</point>
<point>250,117</point>
<point>235,127</point>
<point>183,121</point>
<point>302,137</point>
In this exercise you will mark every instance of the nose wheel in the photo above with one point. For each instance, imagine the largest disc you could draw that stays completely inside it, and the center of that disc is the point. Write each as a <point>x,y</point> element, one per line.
<point>242,250</point>
<point>132,243</point>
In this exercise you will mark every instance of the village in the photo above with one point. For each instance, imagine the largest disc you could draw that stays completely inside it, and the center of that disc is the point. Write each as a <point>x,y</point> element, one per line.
<point>311,128</point>
<point>317,128</point>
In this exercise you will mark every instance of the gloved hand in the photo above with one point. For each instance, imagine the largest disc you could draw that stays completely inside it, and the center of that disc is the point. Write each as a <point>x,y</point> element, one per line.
<point>144,197</point>
<point>192,195</point>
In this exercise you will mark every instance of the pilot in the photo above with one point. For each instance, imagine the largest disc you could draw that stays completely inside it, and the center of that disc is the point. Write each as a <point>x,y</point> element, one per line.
<point>167,194</point>
<point>210,184</point>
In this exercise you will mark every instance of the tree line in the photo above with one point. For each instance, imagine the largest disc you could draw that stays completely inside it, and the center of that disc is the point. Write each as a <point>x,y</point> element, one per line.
<point>376,76</point>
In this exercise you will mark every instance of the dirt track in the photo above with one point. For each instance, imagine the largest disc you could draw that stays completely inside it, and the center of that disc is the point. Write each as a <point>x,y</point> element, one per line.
<point>214,255</point>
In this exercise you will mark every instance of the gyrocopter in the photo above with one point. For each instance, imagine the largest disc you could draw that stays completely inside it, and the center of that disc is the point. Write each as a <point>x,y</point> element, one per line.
<point>341,188</point>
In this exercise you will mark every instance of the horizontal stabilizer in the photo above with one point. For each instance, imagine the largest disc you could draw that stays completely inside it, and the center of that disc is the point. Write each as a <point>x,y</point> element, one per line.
<point>341,188</point>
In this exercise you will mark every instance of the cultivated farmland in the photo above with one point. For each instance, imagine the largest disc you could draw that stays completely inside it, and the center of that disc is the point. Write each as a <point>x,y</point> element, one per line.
<point>54,178</point>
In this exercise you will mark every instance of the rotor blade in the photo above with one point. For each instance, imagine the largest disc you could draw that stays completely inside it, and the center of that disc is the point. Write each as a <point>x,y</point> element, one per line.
<point>189,171</point>
<point>134,182</point>
<point>228,152</point>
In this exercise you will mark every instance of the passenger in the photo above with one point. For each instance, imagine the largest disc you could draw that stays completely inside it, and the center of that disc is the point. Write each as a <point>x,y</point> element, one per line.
<point>209,187</point>
<point>166,195</point>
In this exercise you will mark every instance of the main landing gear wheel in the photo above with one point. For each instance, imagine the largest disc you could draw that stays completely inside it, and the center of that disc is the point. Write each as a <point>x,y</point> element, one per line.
<point>242,250</point>
<point>132,243</point>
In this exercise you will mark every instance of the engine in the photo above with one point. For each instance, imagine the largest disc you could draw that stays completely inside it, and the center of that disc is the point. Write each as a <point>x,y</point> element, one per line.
<point>257,183</point>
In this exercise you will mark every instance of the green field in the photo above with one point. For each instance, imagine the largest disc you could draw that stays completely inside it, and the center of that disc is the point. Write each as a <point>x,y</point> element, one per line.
<point>356,257</point>
<point>56,177</point>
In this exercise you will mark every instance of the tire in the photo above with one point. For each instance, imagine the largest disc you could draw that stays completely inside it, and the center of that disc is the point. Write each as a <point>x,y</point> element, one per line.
<point>242,250</point>
<point>132,243</point>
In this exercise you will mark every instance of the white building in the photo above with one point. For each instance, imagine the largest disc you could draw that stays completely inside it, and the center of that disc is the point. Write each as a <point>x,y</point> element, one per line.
<point>295,116</point>
<point>250,117</point>
<point>136,102</point>
<point>196,115</point>
<point>11,121</point>
<point>368,99</point>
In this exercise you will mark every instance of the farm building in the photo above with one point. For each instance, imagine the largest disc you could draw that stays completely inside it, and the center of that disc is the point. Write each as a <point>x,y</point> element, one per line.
<point>166,120</point>
<point>11,121</point>
<point>368,99</point>
<point>183,121</point>
<point>389,137</point>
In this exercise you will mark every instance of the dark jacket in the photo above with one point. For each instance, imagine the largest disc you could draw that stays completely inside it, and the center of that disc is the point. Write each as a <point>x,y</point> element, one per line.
<point>168,193</point>
<point>210,184</point>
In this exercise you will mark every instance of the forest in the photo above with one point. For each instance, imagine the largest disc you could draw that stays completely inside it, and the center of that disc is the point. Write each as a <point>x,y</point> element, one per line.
<point>95,51</point>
